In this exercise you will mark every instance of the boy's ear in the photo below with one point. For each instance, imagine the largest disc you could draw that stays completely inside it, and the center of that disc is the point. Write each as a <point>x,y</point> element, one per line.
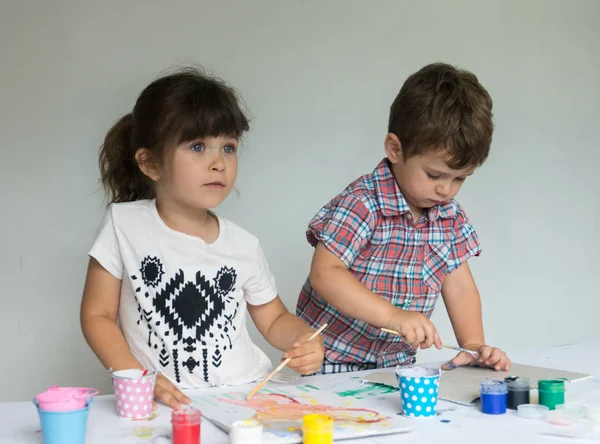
<point>393,148</point>
<point>144,161</point>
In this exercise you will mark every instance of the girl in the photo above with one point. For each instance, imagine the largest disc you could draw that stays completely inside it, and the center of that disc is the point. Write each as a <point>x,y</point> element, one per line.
<point>177,278</point>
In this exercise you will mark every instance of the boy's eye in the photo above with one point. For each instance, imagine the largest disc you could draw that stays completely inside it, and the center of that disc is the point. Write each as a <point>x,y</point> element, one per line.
<point>229,149</point>
<point>198,147</point>
<point>433,176</point>
<point>461,179</point>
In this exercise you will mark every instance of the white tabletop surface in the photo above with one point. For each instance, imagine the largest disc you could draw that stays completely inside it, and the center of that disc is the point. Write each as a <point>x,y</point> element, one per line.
<point>19,422</point>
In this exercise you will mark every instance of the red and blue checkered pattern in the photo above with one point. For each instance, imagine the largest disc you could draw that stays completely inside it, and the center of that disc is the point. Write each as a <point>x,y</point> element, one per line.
<point>370,228</point>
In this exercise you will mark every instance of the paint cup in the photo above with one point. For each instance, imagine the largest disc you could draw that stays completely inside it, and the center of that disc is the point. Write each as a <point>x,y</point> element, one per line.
<point>418,391</point>
<point>518,391</point>
<point>134,393</point>
<point>64,399</point>
<point>68,427</point>
<point>246,432</point>
<point>551,392</point>
<point>186,425</point>
<point>317,429</point>
<point>493,397</point>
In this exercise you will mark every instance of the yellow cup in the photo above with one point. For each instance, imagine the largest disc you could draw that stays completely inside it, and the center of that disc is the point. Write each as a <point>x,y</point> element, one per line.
<point>317,429</point>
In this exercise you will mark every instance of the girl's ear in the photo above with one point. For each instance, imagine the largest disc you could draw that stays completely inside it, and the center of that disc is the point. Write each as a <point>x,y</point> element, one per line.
<point>146,165</point>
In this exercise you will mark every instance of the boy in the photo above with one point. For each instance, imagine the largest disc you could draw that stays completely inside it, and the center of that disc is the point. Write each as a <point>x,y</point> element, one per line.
<point>393,240</point>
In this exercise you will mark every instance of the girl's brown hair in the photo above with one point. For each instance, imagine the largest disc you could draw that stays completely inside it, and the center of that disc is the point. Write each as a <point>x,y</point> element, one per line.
<point>176,108</point>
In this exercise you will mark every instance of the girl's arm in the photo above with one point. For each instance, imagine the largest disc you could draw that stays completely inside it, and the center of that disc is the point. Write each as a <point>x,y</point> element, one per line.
<point>288,333</point>
<point>99,309</point>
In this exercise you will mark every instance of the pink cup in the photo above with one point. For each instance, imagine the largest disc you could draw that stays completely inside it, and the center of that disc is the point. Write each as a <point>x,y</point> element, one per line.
<point>134,393</point>
<point>64,399</point>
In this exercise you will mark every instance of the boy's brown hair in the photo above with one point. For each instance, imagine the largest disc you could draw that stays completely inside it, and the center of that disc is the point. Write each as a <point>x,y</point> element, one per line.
<point>442,107</point>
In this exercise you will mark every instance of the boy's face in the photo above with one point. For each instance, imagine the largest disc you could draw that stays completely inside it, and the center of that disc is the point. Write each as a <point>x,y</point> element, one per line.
<point>425,179</point>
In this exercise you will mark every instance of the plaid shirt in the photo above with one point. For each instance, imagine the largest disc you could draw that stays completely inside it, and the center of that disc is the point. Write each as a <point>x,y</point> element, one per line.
<point>370,228</point>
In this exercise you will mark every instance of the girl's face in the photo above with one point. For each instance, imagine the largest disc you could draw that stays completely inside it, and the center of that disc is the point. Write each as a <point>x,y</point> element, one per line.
<point>201,173</point>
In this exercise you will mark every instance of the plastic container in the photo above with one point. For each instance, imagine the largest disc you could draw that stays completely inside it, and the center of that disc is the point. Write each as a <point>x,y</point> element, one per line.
<point>532,411</point>
<point>246,432</point>
<point>185,423</point>
<point>317,429</point>
<point>493,397</point>
<point>68,427</point>
<point>577,409</point>
<point>418,391</point>
<point>518,391</point>
<point>561,417</point>
<point>551,392</point>
<point>134,393</point>
<point>64,399</point>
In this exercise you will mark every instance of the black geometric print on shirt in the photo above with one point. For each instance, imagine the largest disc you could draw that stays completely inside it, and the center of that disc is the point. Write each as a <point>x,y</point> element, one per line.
<point>188,313</point>
<point>152,271</point>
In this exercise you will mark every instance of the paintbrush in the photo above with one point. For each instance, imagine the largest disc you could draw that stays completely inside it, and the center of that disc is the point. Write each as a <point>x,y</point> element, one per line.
<point>451,347</point>
<point>283,364</point>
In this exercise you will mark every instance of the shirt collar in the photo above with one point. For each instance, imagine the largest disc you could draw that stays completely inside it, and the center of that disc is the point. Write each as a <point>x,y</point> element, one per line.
<point>392,201</point>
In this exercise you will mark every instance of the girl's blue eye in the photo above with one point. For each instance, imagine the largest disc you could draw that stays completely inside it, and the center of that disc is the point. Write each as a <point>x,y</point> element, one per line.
<point>198,147</point>
<point>229,149</point>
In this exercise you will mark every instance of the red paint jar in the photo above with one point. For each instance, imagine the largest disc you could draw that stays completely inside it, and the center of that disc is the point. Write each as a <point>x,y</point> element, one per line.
<point>186,425</point>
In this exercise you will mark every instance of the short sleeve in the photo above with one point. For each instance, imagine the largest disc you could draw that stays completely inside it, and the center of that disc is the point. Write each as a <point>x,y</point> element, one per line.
<point>345,226</point>
<point>465,243</point>
<point>105,248</point>
<point>260,288</point>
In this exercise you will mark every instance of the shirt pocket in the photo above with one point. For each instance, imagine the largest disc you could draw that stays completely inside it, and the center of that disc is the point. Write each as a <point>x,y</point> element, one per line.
<point>435,266</point>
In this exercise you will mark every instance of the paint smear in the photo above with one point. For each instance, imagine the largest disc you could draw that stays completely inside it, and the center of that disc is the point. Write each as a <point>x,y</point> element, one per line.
<point>369,390</point>
<point>276,407</point>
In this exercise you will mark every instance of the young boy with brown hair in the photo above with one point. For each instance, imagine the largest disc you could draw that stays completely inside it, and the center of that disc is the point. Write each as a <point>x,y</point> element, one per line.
<point>395,239</point>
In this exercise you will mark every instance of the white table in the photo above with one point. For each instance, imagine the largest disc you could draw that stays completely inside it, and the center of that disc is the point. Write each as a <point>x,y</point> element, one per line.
<point>19,422</point>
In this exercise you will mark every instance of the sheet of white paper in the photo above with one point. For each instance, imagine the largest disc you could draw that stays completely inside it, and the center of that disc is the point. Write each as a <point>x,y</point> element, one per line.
<point>349,399</point>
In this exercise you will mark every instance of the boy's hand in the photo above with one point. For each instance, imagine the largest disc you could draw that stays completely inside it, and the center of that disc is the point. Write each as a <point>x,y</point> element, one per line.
<point>307,356</point>
<point>416,329</point>
<point>168,394</point>
<point>487,357</point>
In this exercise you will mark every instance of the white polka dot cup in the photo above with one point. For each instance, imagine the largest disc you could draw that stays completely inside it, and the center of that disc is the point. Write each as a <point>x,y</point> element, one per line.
<point>418,391</point>
<point>134,393</point>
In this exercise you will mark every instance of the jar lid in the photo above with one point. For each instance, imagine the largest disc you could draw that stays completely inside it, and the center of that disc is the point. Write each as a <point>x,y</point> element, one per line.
<point>551,385</point>
<point>517,383</point>
<point>493,387</point>
<point>185,415</point>
<point>532,411</point>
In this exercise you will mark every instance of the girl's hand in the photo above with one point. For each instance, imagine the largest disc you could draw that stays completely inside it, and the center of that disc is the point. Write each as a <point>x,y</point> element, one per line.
<point>307,356</point>
<point>167,393</point>
<point>487,356</point>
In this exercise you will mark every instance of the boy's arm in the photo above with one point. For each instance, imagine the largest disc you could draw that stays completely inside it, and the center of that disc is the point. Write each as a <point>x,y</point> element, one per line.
<point>288,333</point>
<point>332,281</point>
<point>463,304</point>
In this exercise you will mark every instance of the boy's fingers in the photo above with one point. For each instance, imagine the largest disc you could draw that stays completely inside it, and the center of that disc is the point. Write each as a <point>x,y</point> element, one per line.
<point>484,353</point>
<point>420,336</point>
<point>458,361</point>
<point>437,341</point>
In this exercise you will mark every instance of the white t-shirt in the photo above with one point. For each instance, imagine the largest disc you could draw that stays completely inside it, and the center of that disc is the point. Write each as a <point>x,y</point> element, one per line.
<point>183,301</point>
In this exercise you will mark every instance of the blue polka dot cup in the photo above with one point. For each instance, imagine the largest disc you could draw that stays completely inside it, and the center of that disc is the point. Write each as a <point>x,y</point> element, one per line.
<point>418,390</point>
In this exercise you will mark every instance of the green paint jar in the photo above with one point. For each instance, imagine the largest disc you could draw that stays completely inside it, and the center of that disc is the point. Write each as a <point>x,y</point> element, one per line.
<point>551,392</point>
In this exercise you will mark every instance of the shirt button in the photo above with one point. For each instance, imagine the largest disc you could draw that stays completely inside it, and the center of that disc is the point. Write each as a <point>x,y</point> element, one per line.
<point>407,269</point>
